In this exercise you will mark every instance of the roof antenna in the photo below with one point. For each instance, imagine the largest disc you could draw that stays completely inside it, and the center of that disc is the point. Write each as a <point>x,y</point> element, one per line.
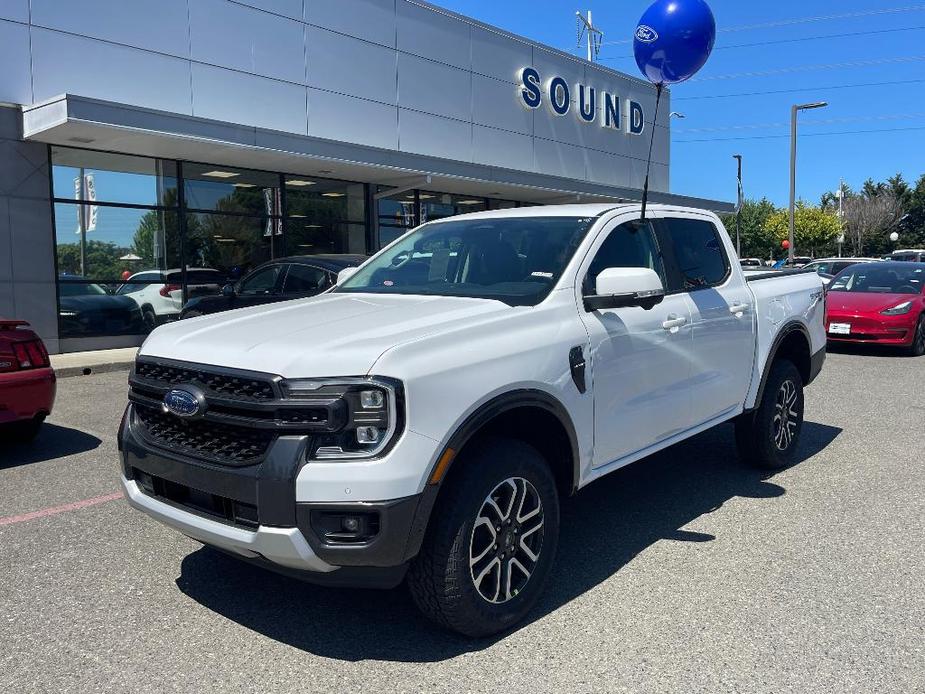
<point>645,187</point>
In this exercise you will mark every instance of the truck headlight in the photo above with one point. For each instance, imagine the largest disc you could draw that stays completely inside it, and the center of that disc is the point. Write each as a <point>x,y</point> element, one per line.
<point>370,414</point>
<point>898,310</point>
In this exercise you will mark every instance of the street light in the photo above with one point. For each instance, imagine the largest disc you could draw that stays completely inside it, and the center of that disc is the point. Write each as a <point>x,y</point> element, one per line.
<point>738,158</point>
<point>793,161</point>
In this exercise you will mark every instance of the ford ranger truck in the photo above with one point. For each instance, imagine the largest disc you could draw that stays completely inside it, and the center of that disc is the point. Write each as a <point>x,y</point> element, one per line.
<point>421,421</point>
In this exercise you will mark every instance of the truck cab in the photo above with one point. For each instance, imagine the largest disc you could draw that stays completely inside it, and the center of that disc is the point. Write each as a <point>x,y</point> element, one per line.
<point>421,420</point>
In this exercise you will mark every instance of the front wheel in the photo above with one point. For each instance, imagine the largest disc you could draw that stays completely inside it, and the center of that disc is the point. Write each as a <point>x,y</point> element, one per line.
<point>769,436</point>
<point>491,542</point>
<point>917,348</point>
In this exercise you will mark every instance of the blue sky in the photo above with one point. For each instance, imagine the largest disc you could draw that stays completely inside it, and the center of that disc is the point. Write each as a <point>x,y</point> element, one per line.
<point>883,46</point>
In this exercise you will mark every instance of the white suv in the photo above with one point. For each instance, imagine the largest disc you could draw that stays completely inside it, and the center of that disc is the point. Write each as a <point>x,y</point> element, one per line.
<point>159,293</point>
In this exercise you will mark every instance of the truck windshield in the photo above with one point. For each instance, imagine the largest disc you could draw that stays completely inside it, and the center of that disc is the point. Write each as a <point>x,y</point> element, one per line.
<point>877,278</point>
<point>516,260</point>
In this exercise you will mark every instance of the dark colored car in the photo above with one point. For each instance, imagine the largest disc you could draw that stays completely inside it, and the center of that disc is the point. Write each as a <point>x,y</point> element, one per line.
<point>27,381</point>
<point>878,303</point>
<point>282,279</point>
<point>88,309</point>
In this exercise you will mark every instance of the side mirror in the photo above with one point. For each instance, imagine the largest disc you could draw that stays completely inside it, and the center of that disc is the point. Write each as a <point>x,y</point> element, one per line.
<point>346,274</point>
<point>228,291</point>
<point>620,287</point>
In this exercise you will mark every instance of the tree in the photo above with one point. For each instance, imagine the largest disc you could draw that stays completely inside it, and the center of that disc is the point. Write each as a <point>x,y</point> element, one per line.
<point>815,230</point>
<point>912,230</point>
<point>102,259</point>
<point>867,219</point>
<point>757,241</point>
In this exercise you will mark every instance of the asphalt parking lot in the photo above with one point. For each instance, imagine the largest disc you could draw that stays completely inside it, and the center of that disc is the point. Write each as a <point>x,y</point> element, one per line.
<point>684,572</point>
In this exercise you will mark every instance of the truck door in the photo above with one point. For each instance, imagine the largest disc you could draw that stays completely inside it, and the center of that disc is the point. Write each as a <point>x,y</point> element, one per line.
<point>640,361</point>
<point>722,314</point>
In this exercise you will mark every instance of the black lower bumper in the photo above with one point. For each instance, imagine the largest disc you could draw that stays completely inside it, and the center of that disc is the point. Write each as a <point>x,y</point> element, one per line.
<point>815,364</point>
<point>264,495</point>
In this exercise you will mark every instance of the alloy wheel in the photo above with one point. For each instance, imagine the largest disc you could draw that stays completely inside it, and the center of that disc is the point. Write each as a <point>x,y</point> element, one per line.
<point>506,540</point>
<point>786,417</point>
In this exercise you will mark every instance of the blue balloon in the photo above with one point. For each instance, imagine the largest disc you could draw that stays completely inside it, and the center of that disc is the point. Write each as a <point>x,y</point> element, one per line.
<point>674,39</point>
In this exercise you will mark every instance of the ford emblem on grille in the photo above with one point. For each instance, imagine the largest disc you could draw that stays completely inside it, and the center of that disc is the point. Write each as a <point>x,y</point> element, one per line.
<point>184,403</point>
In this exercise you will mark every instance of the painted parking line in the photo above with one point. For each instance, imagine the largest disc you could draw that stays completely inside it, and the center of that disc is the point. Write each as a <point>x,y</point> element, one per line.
<point>55,510</point>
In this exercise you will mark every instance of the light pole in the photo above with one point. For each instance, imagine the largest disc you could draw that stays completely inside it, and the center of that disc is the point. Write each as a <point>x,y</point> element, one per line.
<point>796,108</point>
<point>738,158</point>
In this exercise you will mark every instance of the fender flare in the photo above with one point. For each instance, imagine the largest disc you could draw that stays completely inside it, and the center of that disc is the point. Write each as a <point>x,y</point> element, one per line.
<point>505,402</point>
<point>787,329</point>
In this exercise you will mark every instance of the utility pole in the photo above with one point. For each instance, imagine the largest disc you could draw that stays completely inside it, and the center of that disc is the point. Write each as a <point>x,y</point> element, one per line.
<point>586,29</point>
<point>841,223</point>
<point>794,110</point>
<point>738,158</point>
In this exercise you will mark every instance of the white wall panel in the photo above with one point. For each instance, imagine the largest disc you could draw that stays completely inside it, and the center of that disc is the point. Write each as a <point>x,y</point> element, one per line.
<point>497,105</point>
<point>16,75</point>
<point>157,26</point>
<point>241,38</point>
<point>62,63</point>
<point>378,18</point>
<point>249,100</point>
<point>431,34</point>
<point>351,66</point>
<point>434,87</point>
<point>287,8</point>
<point>558,159</point>
<point>436,136</point>
<point>502,148</point>
<point>349,119</point>
<point>498,56</point>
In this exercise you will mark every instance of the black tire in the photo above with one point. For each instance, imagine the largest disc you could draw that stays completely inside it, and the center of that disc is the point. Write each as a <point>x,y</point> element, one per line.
<point>917,348</point>
<point>769,437</point>
<point>440,579</point>
<point>25,431</point>
<point>149,318</point>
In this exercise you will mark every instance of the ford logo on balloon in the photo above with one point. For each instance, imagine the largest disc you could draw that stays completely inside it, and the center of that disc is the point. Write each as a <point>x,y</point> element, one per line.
<point>674,39</point>
<point>182,403</point>
<point>646,34</point>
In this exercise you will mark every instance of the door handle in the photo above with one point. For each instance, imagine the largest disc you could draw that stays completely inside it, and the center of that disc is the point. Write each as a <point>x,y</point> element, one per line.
<point>673,322</point>
<point>739,309</point>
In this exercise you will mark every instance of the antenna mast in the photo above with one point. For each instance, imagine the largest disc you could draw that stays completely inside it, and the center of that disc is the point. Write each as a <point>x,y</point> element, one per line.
<point>594,36</point>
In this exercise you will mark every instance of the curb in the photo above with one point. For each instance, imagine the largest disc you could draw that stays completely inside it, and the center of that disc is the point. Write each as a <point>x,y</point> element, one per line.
<point>91,369</point>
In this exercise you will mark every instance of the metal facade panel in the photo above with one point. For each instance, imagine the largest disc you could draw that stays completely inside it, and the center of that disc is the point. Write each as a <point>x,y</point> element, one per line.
<point>424,85</point>
<point>15,84</point>
<point>502,148</point>
<point>286,8</point>
<point>249,100</point>
<point>349,119</point>
<point>346,65</point>
<point>432,34</point>
<point>378,18</point>
<point>499,56</point>
<point>436,136</point>
<point>496,105</point>
<point>242,38</point>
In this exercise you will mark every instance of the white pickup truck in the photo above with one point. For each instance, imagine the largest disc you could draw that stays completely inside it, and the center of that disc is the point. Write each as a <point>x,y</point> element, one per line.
<point>421,420</point>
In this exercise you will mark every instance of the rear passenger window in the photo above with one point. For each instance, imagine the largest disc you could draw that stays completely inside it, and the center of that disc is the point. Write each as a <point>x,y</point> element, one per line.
<point>699,255</point>
<point>628,245</point>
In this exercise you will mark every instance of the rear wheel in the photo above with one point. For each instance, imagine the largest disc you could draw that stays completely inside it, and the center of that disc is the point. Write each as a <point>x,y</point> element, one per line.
<point>492,541</point>
<point>917,348</point>
<point>149,317</point>
<point>769,436</point>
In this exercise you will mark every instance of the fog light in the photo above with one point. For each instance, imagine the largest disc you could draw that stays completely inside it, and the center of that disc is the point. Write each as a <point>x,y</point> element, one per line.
<point>372,398</point>
<point>367,435</point>
<point>350,524</point>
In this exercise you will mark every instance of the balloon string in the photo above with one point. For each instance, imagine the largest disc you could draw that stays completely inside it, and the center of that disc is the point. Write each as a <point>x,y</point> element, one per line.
<point>645,187</point>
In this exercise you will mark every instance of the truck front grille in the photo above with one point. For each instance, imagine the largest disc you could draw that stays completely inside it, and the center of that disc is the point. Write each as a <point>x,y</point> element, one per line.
<point>223,443</point>
<point>226,385</point>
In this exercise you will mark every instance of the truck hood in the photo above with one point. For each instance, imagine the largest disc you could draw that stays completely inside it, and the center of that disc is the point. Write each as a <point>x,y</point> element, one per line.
<point>327,335</point>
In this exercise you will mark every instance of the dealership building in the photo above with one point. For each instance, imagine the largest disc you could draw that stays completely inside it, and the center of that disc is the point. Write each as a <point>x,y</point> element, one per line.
<point>219,134</point>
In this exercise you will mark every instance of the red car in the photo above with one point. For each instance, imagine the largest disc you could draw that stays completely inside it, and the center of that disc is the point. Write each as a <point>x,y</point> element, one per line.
<point>27,381</point>
<point>878,303</point>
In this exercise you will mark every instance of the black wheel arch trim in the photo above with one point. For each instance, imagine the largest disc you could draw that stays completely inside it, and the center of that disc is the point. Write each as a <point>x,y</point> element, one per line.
<point>505,402</point>
<point>786,330</point>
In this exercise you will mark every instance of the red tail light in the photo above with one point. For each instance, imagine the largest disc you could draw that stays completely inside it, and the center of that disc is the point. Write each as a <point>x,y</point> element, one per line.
<point>167,288</point>
<point>30,355</point>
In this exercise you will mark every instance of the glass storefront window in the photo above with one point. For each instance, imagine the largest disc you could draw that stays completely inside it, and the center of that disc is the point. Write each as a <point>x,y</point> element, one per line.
<point>441,205</point>
<point>115,178</point>
<point>212,188</point>
<point>304,237</point>
<point>397,215</point>
<point>233,245</point>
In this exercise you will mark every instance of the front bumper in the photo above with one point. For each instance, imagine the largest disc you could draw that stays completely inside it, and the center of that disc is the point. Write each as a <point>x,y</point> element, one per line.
<point>897,331</point>
<point>283,546</point>
<point>253,513</point>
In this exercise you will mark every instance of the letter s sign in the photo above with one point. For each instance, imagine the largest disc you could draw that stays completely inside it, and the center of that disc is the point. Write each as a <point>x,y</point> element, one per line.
<point>530,90</point>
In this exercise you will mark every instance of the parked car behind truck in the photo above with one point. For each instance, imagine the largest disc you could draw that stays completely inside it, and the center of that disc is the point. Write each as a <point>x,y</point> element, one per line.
<point>27,381</point>
<point>421,421</point>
